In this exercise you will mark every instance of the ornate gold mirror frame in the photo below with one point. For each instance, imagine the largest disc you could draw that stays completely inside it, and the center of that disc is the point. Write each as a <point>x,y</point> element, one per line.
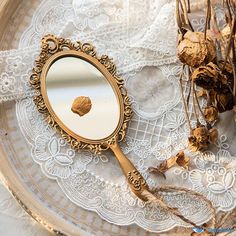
<point>54,48</point>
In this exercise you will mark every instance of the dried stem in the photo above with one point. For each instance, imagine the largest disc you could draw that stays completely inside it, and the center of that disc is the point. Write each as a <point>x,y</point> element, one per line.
<point>233,62</point>
<point>199,107</point>
<point>183,100</point>
<point>182,9</point>
<point>194,104</point>
<point>188,6</point>
<point>208,18</point>
<point>189,93</point>
<point>234,68</point>
<point>185,13</point>
<point>178,18</point>
<point>229,45</point>
<point>223,218</point>
<point>229,16</point>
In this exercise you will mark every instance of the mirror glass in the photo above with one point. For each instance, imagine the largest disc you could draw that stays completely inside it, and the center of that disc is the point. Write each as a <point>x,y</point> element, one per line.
<point>82,98</point>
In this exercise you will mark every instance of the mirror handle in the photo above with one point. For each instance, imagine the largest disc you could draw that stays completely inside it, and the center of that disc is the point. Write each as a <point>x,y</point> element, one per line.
<point>136,181</point>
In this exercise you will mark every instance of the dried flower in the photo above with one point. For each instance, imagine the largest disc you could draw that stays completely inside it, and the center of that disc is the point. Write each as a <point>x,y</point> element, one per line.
<point>202,93</point>
<point>194,50</point>
<point>200,139</point>
<point>81,105</point>
<point>155,170</point>
<point>227,67</point>
<point>213,135</point>
<point>226,31</point>
<point>180,159</point>
<point>201,133</point>
<point>225,102</point>
<point>210,113</point>
<point>210,77</point>
<point>227,70</point>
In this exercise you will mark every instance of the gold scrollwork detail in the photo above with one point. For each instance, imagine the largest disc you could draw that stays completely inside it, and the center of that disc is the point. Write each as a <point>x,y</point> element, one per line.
<point>136,180</point>
<point>52,45</point>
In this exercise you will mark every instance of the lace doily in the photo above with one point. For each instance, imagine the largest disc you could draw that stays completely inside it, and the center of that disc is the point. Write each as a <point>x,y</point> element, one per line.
<point>144,51</point>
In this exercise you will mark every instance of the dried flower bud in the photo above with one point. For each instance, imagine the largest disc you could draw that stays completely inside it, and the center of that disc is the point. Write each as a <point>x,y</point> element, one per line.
<point>194,50</point>
<point>81,105</point>
<point>225,102</point>
<point>213,132</point>
<point>210,77</point>
<point>210,113</point>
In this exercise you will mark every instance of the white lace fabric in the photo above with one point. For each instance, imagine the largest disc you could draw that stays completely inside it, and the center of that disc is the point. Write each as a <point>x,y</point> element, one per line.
<point>143,49</point>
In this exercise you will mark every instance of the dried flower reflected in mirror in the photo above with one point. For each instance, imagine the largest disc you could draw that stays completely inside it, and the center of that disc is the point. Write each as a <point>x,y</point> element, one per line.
<point>81,105</point>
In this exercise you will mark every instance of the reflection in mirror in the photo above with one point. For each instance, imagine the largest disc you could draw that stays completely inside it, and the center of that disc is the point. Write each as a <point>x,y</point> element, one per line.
<point>70,78</point>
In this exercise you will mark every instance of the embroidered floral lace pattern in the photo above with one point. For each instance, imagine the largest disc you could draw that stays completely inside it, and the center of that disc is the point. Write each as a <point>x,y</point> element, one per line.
<point>144,52</point>
<point>15,67</point>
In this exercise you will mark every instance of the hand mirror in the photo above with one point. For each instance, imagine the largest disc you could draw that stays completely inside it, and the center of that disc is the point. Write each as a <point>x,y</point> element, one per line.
<point>84,100</point>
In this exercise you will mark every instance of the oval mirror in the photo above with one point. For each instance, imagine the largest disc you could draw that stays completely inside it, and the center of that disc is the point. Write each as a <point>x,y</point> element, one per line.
<point>72,77</point>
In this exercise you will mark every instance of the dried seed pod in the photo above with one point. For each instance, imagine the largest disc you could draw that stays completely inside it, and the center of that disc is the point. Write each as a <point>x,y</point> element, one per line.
<point>210,77</point>
<point>194,50</point>
<point>81,105</point>
<point>210,113</point>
